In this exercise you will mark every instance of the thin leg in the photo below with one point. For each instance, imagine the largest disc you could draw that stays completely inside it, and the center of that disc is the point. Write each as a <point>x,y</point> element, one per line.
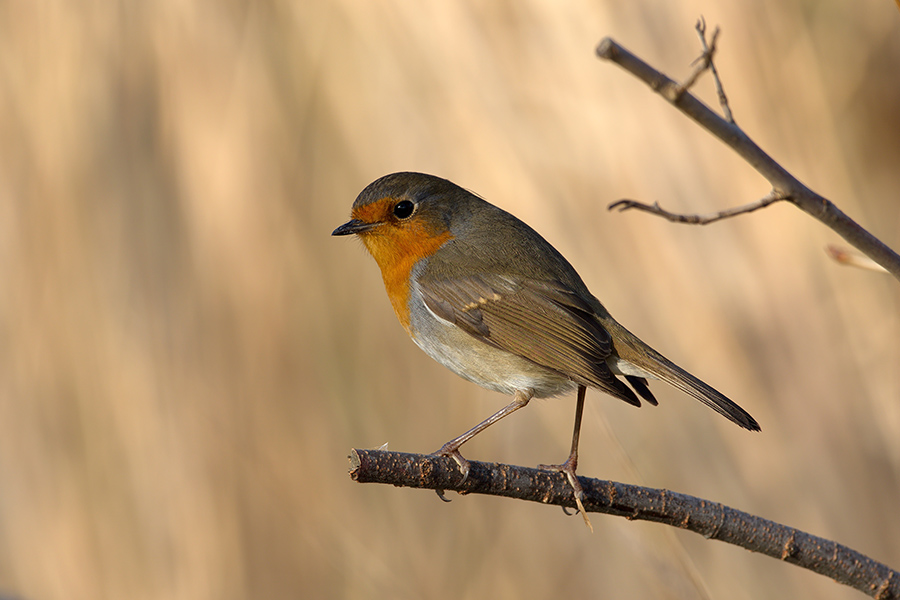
<point>571,463</point>
<point>451,448</point>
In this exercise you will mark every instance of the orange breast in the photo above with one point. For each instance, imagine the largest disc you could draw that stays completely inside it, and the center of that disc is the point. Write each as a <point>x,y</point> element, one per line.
<point>396,249</point>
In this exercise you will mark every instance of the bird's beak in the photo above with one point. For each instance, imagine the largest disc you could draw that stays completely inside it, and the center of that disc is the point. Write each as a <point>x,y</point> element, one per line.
<point>353,226</point>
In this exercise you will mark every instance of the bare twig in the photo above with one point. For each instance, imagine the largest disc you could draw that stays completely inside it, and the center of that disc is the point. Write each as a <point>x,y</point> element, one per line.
<point>656,209</point>
<point>704,62</point>
<point>709,519</point>
<point>784,184</point>
<point>708,51</point>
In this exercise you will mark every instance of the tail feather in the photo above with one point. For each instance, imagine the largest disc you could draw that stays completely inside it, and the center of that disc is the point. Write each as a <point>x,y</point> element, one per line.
<point>687,383</point>
<point>638,354</point>
<point>640,386</point>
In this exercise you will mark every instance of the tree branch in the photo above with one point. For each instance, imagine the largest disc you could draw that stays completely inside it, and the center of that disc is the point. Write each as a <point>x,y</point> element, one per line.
<point>656,209</point>
<point>710,519</point>
<point>784,184</point>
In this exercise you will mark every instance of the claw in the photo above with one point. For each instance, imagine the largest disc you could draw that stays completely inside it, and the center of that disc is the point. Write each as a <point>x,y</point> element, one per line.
<point>440,494</point>
<point>453,452</point>
<point>577,491</point>
<point>448,450</point>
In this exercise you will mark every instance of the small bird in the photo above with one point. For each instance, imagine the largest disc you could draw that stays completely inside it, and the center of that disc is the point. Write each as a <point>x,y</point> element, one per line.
<point>486,296</point>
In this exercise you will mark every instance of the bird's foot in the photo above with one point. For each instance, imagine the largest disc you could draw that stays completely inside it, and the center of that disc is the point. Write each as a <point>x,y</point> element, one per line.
<point>452,451</point>
<point>568,468</point>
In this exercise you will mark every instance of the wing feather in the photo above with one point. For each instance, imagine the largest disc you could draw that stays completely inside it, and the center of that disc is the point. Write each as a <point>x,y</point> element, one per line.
<point>542,321</point>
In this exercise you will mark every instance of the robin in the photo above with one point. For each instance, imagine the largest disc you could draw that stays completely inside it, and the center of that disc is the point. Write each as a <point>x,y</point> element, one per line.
<point>486,296</point>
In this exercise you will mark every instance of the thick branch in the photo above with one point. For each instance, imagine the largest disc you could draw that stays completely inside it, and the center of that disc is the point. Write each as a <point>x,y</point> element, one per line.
<point>783,183</point>
<point>709,519</point>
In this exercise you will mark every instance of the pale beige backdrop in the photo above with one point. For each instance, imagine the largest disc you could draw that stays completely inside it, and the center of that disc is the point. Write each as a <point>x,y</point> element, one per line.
<point>187,356</point>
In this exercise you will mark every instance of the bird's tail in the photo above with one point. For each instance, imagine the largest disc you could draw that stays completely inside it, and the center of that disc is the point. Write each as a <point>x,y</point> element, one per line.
<point>649,362</point>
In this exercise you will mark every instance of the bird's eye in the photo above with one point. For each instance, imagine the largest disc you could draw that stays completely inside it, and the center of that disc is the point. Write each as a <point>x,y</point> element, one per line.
<point>404,209</point>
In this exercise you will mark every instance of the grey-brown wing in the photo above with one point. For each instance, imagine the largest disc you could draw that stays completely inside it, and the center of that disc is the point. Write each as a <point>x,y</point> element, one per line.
<point>542,321</point>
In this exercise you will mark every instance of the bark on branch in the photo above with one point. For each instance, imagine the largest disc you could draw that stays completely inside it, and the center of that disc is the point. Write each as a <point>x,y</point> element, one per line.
<point>784,185</point>
<point>710,519</point>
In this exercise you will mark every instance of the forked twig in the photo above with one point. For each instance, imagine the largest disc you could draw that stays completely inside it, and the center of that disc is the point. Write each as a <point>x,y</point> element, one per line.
<point>784,185</point>
<point>709,50</point>
<point>704,63</point>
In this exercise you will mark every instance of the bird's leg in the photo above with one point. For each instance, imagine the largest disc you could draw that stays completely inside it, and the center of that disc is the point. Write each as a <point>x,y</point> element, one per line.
<point>451,448</point>
<point>571,463</point>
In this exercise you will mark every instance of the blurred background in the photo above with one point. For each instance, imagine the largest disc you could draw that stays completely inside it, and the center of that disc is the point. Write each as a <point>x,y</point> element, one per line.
<point>187,356</point>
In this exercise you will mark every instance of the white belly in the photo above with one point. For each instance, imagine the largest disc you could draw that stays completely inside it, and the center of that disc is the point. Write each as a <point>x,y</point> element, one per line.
<point>481,363</point>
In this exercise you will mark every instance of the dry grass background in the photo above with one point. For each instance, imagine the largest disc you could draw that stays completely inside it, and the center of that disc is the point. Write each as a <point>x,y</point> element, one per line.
<point>186,356</point>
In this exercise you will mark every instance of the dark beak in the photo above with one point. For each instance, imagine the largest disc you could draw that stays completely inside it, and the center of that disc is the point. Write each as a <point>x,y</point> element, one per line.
<point>353,226</point>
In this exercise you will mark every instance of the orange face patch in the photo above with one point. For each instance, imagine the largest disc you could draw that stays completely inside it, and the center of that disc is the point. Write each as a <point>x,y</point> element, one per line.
<point>375,212</point>
<point>397,245</point>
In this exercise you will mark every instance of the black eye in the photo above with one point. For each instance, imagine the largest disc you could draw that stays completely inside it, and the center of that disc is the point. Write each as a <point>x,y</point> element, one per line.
<point>404,209</point>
